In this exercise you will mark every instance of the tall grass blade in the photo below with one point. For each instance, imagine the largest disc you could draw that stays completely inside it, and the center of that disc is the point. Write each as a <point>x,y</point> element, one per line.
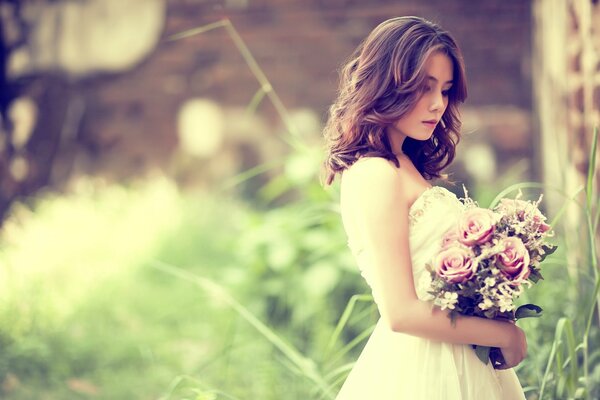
<point>252,172</point>
<point>255,102</point>
<point>340,370</point>
<point>592,170</point>
<point>353,343</point>
<point>592,228</point>
<point>563,208</point>
<point>196,31</point>
<point>306,365</point>
<point>260,76</point>
<point>553,354</point>
<point>573,362</point>
<point>344,320</point>
<point>523,185</point>
<point>265,84</point>
<point>336,382</point>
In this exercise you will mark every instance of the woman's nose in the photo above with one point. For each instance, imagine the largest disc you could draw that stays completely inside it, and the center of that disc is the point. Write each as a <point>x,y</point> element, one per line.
<point>437,102</point>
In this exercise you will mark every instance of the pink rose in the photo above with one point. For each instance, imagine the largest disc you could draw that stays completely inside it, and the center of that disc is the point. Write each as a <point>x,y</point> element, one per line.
<point>455,264</point>
<point>513,260</point>
<point>476,226</point>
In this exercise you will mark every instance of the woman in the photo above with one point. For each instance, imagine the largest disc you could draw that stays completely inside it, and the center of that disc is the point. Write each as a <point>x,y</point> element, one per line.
<point>392,129</point>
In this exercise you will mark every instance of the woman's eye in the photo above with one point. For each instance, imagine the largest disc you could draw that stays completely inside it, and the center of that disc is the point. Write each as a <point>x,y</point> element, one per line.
<point>445,93</point>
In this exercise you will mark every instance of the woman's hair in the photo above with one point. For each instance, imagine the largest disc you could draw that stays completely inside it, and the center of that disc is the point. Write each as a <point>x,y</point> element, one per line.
<point>380,84</point>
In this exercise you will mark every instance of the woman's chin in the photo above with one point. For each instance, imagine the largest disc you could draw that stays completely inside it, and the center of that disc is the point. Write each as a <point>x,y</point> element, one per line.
<point>423,138</point>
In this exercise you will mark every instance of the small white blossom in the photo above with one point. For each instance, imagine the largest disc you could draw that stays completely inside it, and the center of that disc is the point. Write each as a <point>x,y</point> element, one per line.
<point>449,300</point>
<point>505,298</point>
<point>490,281</point>
<point>506,305</point>
<point>506,289</point>
<point>486,303</point>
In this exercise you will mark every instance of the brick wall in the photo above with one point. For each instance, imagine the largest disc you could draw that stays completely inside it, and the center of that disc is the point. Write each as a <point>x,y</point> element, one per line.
<point>128,121</point>
<point>299,45</point>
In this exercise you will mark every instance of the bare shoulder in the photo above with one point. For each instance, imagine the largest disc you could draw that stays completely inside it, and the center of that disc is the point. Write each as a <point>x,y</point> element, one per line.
<point>372,172</point>
<point>374,182</point>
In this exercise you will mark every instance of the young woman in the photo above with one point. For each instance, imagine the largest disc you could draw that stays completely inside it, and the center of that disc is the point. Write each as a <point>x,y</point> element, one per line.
<point>392,129</point>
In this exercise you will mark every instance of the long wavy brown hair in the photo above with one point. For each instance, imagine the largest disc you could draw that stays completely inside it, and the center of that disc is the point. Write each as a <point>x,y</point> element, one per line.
<point>380,83</point>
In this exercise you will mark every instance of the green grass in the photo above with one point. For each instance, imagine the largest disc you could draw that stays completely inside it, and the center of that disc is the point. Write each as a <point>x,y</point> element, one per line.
<point>80,301</point>
<point>87,314</point>
<point>148,293</point>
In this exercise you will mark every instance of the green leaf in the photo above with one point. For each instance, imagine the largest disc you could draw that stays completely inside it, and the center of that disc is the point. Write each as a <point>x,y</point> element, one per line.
<point>483,353</point>
<point>528,311</point>
<point>452,316</point>
<point>550,249</point>
<point>535,276</point>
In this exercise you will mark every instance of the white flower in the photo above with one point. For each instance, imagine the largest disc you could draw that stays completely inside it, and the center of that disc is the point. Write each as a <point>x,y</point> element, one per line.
<point>506,305</point>
<point>490,281</point>
<point>485,304</point>
<point>449,300</point>
<point>517,291</point>
<point>505,298</point>
<point>506,290</point>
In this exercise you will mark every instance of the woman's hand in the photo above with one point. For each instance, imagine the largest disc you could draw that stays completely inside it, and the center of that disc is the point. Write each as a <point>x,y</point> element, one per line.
<point>516,351</point>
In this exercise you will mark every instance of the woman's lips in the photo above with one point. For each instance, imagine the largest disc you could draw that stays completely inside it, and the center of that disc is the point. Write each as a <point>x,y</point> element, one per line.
<point>430,123</point>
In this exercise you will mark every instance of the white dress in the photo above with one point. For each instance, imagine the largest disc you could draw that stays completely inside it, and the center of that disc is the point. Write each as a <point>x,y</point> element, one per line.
<point>397,366</point>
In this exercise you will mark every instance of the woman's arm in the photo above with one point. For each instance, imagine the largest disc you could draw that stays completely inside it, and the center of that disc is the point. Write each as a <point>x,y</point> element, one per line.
<point>375,191</point>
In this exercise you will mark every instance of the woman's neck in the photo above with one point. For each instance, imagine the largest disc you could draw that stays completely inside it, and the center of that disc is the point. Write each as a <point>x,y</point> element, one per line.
<point>396,140</point>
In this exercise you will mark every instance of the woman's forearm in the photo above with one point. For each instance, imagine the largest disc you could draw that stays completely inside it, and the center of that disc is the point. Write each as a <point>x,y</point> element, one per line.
<point>421,320</point>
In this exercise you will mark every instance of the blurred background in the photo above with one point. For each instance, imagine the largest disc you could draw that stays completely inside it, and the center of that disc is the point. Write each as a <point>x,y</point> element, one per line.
<point>163,230</point>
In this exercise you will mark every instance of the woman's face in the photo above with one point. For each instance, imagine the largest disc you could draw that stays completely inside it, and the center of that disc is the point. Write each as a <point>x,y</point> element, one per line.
<point>422,119</point>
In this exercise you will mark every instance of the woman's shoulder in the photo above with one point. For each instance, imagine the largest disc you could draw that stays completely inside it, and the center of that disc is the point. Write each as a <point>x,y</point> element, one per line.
<point>372,169</point>
<point>372,165</point>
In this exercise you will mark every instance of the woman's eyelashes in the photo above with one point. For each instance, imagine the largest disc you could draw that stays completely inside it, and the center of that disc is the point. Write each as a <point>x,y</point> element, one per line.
<point>445,93</point>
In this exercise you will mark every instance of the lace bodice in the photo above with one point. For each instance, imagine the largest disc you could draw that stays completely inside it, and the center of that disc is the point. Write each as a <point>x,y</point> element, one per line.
<point>430,216</point>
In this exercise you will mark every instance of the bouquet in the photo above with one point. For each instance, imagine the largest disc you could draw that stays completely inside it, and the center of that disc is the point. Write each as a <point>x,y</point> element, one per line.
<point>487,259</point>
